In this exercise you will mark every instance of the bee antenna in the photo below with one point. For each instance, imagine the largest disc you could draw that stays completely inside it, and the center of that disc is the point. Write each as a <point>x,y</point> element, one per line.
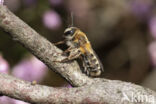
<point>71,24</point>
<point>72,19</point>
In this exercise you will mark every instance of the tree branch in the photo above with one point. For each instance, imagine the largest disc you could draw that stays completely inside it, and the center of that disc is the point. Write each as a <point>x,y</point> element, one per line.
<point>95,90</point>
<point>102,92</point>
<point>41,47</point>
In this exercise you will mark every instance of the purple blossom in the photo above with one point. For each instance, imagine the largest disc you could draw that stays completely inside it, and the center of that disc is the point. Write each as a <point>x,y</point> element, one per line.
<point>8,100</point>
<point>52,20</point>
<point>152,51</point>
<point>13,5</point>
<point>141,8</point>
<point>4,66</point>
<point>30,69</point>
<point>152,26</point>
<point>55,2</point>
<point>29,2</point>
<point>67,85</point>
<point>1,2</point>
<point>19,102</point>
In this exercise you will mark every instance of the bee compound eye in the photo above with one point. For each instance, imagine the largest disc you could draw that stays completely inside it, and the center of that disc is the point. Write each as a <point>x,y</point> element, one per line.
<point>68,33</point>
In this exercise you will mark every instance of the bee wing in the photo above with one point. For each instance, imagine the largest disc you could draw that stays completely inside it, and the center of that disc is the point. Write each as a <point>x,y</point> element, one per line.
<point>101,65</point>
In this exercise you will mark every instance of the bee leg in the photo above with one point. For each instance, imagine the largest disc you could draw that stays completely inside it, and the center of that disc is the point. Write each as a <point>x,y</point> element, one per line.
<point>64,52</point>
<point>68,50</point>
<point>86,69</point>
<point>61,61</point>
<point>60,42</point>
<point>71,50</point>
<point>83,64</point>
<point>67,59</point>
<point>73,55</point>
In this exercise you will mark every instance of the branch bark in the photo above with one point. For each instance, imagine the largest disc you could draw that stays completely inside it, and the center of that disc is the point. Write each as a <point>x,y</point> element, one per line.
<point>95,90</point>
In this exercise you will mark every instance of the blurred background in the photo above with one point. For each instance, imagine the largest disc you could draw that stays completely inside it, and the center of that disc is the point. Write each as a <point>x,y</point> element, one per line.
<point>122,32</point>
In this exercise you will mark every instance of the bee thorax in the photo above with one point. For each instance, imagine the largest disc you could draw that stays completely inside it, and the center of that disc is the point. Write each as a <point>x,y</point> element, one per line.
<point>70,43</point>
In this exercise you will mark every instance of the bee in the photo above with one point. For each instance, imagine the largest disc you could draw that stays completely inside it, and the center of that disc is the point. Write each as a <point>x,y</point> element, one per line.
<point>80,47</point>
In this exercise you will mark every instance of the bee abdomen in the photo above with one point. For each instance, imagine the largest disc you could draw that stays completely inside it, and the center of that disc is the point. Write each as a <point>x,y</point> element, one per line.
<point>95,73</point>
<point>92,65</point>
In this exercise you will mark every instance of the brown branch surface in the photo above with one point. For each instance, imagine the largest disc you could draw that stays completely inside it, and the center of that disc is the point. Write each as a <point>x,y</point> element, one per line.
<point>95,90</point>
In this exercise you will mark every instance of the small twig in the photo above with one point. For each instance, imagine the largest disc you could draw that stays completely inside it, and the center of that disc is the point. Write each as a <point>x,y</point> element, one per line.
<point>60,42</point>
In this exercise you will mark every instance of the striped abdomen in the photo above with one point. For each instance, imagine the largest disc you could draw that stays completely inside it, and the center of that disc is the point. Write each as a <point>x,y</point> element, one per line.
<point>92,65</point>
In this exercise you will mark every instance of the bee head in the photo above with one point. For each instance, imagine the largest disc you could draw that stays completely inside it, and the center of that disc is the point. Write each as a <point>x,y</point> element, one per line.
<point>69,32</point>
